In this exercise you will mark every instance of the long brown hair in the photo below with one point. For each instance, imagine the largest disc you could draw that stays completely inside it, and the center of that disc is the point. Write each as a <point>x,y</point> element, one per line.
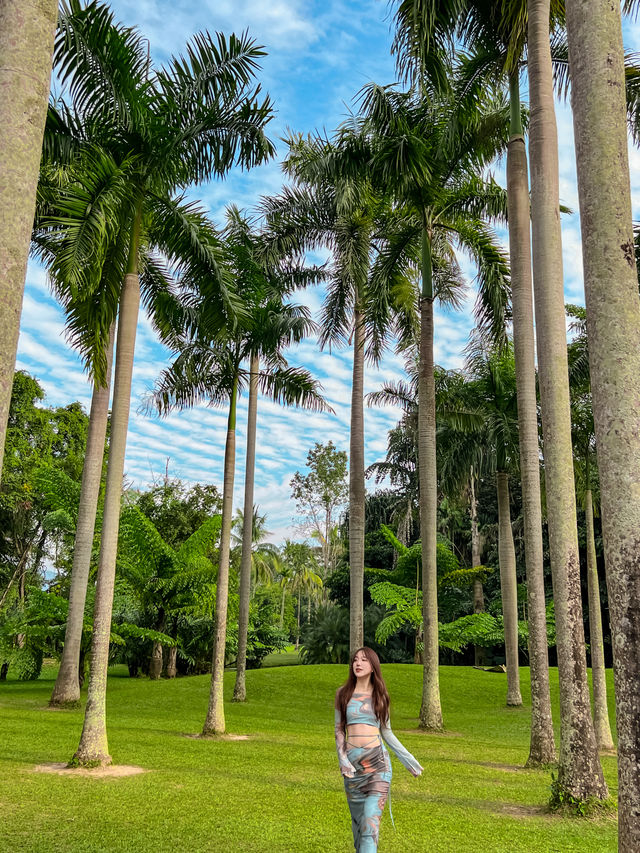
<point>379,696</point>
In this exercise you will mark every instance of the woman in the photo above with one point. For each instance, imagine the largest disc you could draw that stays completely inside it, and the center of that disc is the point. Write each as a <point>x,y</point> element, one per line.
<point>362,707</point>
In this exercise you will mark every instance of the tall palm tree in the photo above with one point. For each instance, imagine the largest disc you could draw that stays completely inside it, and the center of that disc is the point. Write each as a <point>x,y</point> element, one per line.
<point>579,770</point>
<point>323,210</point>
<point>583,434</point>
<point>274,327</point>
<point>150,134</point>
<point>495,35</point>
<point>302,575</point>
<point>428,153</point>
<point>613,322</point>
<point>26,46</point>
<point>493,389</point>
<point>66,691</point>
<point>210,368</point>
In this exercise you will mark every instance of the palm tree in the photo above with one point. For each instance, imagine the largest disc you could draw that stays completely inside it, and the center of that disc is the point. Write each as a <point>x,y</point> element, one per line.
<point>583,436</point>
<point>613,322</point>
<point>258,549</point>
<point>344,215</point>
<point>274,327</point>
<point>66,691</point>
<point>428,153</point>
<point>302,575</point>
<point>210,367</point>
<point>579,770</point>
<point>148,134</point>
<point>493,390</point>
<point>26,47</point>
<point>496,35</point>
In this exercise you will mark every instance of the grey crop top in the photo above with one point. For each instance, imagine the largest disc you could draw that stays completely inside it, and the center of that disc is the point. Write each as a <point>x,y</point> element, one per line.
<point>360,710</point>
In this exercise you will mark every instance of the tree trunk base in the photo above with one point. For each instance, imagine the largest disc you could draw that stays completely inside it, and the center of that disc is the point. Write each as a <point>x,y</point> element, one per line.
<point>431,728</point>
<point>87,758</point>
<point>4,669</point>
<point>211,732</point>
<point>65,705</point>
<point>65,696</point>
<point>239,693</point>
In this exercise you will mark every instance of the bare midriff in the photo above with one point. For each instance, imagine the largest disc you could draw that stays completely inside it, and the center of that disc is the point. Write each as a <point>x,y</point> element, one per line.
<point>361,734</point>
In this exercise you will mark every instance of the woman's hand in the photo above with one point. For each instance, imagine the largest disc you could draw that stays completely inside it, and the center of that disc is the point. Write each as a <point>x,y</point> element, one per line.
<point>416,772</point>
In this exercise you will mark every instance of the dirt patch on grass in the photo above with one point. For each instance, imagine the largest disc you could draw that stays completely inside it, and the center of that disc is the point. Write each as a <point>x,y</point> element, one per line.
<point>226,736</point>
<point>506,768</point>
<point>112,771</point>
<point>518,810</point>
<point>445,733</point>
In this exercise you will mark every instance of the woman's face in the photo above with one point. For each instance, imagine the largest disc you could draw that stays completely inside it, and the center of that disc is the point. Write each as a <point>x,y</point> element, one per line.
<point>361,666</point>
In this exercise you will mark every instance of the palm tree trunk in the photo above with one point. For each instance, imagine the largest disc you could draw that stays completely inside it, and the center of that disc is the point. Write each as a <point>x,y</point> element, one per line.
<point>27,29</point>
<point>172,668</point>
<point>579,770</point>
<point>298,634</point>
<point>598,672</point>
<point>93,747</point>
<point>613,322</point>
<point>66,691</point>
<point>240,690</point>
<point>155,664</point>
<point>509,589</point>
<point>356,489</point>
<point>542,749</point>
<point>430,709</point>
<point>214,723</point>
<point>476,560</point>
<point>284,593</point>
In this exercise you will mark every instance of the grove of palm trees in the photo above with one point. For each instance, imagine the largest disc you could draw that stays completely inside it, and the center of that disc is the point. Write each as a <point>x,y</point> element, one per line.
<point>320,330</point>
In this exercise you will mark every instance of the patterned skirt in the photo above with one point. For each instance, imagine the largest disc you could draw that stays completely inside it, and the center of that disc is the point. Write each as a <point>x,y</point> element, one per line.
<point>367,792</point>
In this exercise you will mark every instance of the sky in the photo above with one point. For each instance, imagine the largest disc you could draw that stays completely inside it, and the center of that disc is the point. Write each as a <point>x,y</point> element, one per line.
<point>319,55</point>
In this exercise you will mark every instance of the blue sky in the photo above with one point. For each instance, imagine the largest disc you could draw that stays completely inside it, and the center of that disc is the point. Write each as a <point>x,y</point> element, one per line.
<point>319,55</point>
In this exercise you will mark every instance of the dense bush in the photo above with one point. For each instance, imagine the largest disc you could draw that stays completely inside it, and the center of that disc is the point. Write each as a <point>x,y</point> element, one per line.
<point>26,663</point>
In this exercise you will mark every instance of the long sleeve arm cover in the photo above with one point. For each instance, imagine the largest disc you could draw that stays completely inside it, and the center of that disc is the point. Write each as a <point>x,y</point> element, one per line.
<point>403,755</point>
<point>346,766</point>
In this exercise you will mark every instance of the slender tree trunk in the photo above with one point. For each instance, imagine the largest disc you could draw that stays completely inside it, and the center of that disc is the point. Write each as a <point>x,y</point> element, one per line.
<point>613,324</point>
<point>327,548</point>
<point>298,634</point>
<point>66,691</point>
<point>155,664</point>
<point>172,668</point>
<point>240,690</point>
<point>430,709</point>
<point>476,560</point>
<point>214,723</point>
<point>27,29</point>
<point>598,672</point>
<point>579,770</point>
<point>356,487</point>
<point>93,747</point>
<point>284,593</point>
<point>542,748</point>
<point>509,589</point>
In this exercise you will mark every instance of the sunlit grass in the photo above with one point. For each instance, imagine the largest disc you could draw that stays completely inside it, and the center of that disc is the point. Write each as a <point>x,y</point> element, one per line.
<point>280,790</point>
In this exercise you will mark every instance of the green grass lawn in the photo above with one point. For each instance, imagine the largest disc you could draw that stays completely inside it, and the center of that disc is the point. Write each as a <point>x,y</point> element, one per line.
<point>280,790</point>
